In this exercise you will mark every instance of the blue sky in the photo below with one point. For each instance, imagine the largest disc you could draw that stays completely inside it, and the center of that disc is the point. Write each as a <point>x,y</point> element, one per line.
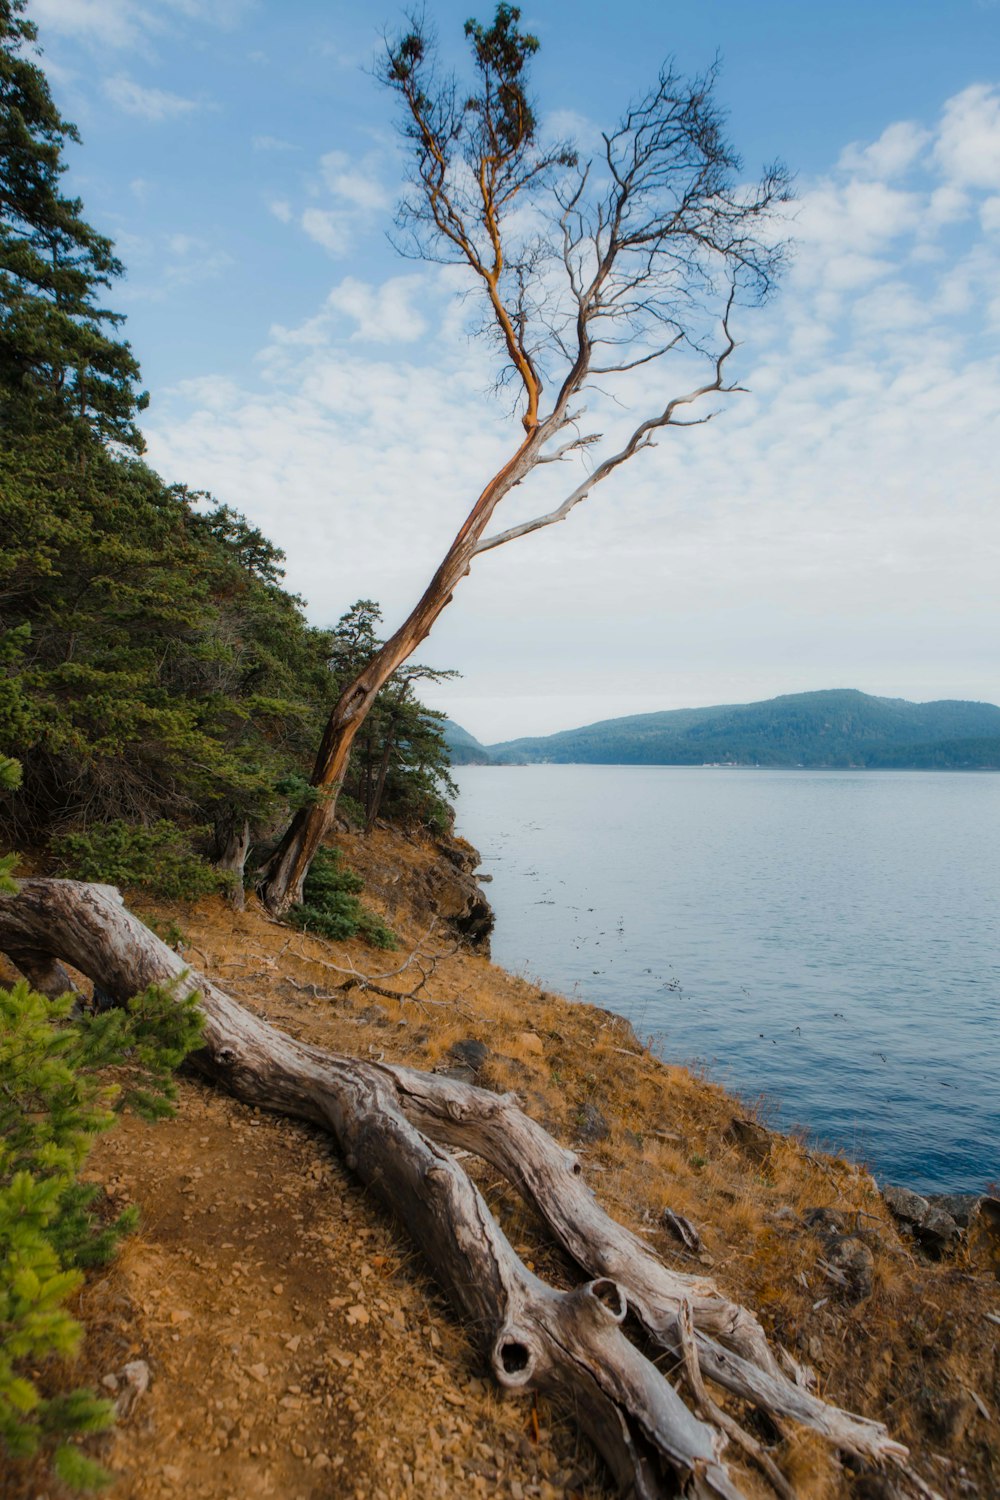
<point>837,527</point>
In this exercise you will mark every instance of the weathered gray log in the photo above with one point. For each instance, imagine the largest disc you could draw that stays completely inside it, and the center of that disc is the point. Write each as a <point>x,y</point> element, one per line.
<point>391,1124</point>
<point>732,1347</point>
<point>537,1338</point>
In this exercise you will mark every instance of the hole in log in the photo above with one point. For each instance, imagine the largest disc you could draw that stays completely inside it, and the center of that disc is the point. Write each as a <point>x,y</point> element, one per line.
<point>513,1360</point>
<point>610,1295</point>
<point>577,1169</point>
<point>514,1357</point>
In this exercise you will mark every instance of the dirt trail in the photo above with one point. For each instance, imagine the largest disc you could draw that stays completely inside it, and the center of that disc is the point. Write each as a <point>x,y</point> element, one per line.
<point>294,1350</point>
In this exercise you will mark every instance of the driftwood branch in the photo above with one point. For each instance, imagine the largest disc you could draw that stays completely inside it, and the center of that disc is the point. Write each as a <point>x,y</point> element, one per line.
<point>398,1130</point>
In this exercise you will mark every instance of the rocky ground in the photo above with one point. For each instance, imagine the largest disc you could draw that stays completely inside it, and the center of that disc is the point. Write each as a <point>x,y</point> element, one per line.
<point>296,1348</point>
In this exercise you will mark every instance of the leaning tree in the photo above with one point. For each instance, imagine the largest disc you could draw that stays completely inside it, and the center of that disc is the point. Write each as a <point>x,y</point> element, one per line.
<point>587,270</point>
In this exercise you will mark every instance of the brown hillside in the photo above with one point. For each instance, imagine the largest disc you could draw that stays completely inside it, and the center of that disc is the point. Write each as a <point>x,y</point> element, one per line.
<point>297,1349</point>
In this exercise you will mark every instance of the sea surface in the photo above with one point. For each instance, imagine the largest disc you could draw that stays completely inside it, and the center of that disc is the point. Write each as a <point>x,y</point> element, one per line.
<point>829,940</point>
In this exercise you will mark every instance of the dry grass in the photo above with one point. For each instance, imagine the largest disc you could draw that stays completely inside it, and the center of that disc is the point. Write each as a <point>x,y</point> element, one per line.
<point>918,1353</point>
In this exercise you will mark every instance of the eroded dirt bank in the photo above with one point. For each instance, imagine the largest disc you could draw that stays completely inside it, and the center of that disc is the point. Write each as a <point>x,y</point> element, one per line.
<point>296,1348</point>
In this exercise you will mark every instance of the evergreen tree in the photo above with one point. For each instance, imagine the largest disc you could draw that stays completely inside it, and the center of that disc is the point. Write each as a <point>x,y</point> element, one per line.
<point>60,359</point>
<point>151,665</point>
<point>399,763</point>
<point>160,691</point>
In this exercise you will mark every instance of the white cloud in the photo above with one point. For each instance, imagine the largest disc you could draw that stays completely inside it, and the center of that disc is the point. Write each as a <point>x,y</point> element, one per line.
<point>271,143</point>
<point>329,228</point>
<point>968,145</point>
<point>840,519</point>
<point>166,266</point>
<point>354,182</point>
<point>384,314</point>
<point>112,23</point>
<point>860,217</point>
<point>348,196</point>
<point>895,152</point>
<point>129,23</point>
<point>947,205</point>
<point>154,105</point>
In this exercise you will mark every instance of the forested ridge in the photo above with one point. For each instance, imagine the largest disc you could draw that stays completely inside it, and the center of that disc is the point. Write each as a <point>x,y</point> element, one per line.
<point>837,728</point>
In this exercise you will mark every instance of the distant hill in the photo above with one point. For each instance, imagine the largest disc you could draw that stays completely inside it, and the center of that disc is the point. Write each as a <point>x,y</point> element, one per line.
<point>836,728</point>
<point>463,748</point>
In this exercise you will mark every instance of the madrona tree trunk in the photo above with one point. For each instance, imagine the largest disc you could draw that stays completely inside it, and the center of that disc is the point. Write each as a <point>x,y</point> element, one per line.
<point>394,1127</point>
<point>284,875</point>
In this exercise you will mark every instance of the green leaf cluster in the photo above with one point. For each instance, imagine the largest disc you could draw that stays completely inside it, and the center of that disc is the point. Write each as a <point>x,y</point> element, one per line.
<point>60,358</point>
<point>150,665</point>
<point>331,908</point>
<point>55,1097</point>
<point>158,857</point>
<point>400,762</point>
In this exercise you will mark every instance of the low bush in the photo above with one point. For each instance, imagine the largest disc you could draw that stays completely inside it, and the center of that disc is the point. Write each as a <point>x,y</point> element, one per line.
<point>55,1097</point>
<point>159,857</point>
<point>331,908</point>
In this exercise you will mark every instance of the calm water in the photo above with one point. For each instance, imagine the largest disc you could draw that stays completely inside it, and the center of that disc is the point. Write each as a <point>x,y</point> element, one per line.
<point>826,939</point>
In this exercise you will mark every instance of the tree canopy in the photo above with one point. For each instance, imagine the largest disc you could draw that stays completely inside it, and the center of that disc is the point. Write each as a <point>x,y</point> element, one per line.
<point>60,358</point>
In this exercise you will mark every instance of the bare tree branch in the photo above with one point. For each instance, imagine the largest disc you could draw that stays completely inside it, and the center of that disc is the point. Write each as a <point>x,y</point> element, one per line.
<point>645,250</point>
<point>639,439</point>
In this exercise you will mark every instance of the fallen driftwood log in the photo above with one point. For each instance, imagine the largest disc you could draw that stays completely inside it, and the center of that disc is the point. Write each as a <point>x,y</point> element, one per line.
<point>394,1126</point>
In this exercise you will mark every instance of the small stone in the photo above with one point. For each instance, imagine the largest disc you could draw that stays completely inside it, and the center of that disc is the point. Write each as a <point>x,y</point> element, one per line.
<point>179,1315</point>
<point>752,1138</point>
<point>825,1221</point>
<point>591,1124</point>
<point>460,1073</point>
<point>358,1314</point>
<point>530,1041</point>
<point>277,1289</point>
<point>853,1259</point>
<point>374,1015</point>
<point>905,1204</point>
<point>470,1052</point>
<point>110,1382</point>
<point>258,1372</point>
<point>935,1230</point>
<point>963,1207</point>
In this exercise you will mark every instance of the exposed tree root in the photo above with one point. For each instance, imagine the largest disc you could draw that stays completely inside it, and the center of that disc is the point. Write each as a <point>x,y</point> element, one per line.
<point>393,1126</point>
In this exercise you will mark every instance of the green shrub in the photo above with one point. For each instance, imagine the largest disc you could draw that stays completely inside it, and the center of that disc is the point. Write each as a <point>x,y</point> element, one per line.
<point>331,907</point>
<point>55,1097</point>
<point>158,857</point>
<point>10,780</point>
